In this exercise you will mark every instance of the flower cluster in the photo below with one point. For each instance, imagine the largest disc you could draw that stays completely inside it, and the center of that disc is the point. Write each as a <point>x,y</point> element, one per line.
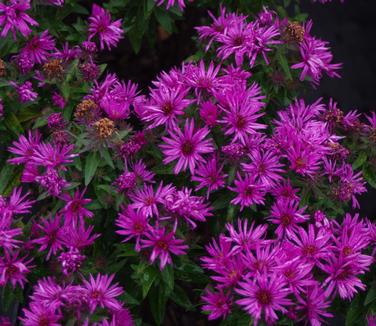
<point>296,276</point>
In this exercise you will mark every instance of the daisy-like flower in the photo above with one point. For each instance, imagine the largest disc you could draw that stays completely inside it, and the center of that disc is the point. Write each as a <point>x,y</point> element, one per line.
<point>314,305</point>
<point>210,175</point>
<point>17,203</point>
<point>265,166</point>
<point>146,199</point>
<point>285,191</point>
<point>7,236</point>
<point>263,260</point>
<point>182,204</point>
<point>78,237</point>
<point>163,244</point>
<point>58,100</point>
<point>100,292</point>
<point>25,91</point>
<point>312,247</point>
<point>265,296</point>
<point>304,159</point>
<point>37,48</point>
<point>39,314</point>
<point>220,253</point>
<point>249,192</point>
<point>165,106</point>
<point>230,274</point>
<point>53,156</point>
<point>186,147</point>
<point>52,235</point>
<point>51,181</point>
<point>241,110</point>
<point>109,32</point>
<point>48,293</point>
<point>132,224</point>
<point>209,113</point>
<point>74,209</point>
<point>171,3</point>
<point>217,303</point>
<point>246,238</point>
<point>287,215</point>
<point>14,269</point>
<point>13,18</point>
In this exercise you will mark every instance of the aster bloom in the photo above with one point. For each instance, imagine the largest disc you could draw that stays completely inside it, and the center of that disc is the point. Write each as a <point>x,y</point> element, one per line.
<point>52,235</point>
<point>100,292</point>
<point>171,3</point>
<point>285,191</point>
<point>78,237</point>
<point>263,260</point>
<point>7,236</point>
<point>209,113</point>
<point>249,192</point>
<point>246,238</point>
<point>186,147</point>
<point>25,91</point>
<point>165,106</point>
<point>39,314</point>
<point>14,269</point>
<point>228,276</point>
<point>37,49</point>
<point>265,166</point>
<point>52,182</point>
<point>220,253</point>
<point>74,209</point>
<point>241,110</point>
<point>13,18</point>
<point>264,296</point>
<point>17,203</point>
<point>132,224</point>
<point>142,173</point>
<point>313,246</point>
<point>53,156</point>
<point>210,175</point>
<point>304,159</point>
<point>314,305</point>
<point>163,244</point>
<point>48,293</point>
<point>217,303</point>
<point>146,199</point>
<point>287,215</point>
<point>109,32</point>
<point>71,261</point>
<point>58,100</point>
<point>181,204</point>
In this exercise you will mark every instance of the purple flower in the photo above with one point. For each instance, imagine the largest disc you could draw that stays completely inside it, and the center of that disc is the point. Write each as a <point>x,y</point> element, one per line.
<point>186,147</point>
<point>14,269</point>
<point>165,105</point>
<point>53,156</point>
<point>249,192</point>
<point>13,18</point>
<point>48,293</point>
<point>58,100</point>
<point>56,121</point>
<point>220,253</point>
<point>209,113</point>
<point>265,295</point>
<point>71,261</point>
<point>37,48</point>
<point>52,182</point>
<point>210,175</point>
<point>109,32</point>
<point>241,110</point>
<point>287,215</point>
<point>217,303</point>
<point>39,314</point>
<point>74,209</point>
<point>132,224</point>
<point>25,92</point>
<point>100,292</point>
<point>163,244</point>
<point>7,236</point>
<point>171,3</point>
<point>78,237</point>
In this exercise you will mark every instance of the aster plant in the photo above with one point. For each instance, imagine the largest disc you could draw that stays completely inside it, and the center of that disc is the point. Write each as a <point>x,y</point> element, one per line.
<point>216,193</point>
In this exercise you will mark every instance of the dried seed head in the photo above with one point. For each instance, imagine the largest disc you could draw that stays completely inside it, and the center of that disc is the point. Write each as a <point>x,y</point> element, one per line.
<point>86,111</point>
<point>53,69</point>
<point>104,128</point>
<point>2,68</point>
<point>294,32</point>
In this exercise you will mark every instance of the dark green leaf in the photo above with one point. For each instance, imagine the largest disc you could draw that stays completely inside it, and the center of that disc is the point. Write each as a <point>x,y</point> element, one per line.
<point>91,165</point>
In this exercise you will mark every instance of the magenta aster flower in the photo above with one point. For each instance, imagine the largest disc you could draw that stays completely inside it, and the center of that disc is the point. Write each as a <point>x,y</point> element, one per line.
<point>287,215</point>
<point>74,209</point>
<point>52,182</point>
<point>241,110</point>
<point>132,224</point>
<point>171,3</point>
<point>220,253</point>
<point>163,244</point>
<point>109,32</point>
<point>265,166</point>
<point>182,204</point>
<point>25,92</point>
<point>14,269</point>
<point>263,260</point>
<point>40,314</point>
<point>100,292</point>
<point>314,305</point>
<point>7,236</point>
<point>230,274</point>
<point>265,296</point>
<point>53,156</point>
<point>285,191</point>
<point>210,175</point>
<point>71,261</point>
<point>146,199</point>
<point>165,106</point>
<point>48,293</point>
<point>13,18</point>
<point>217,303</point>
<point>246,238</point>
<point>249,192</point>
<point>52,235</point>
<point>17,203</point>
<point>37,48</point>
<point>209,113</point>
<point>79,237</point>
<point>186,147</point>
<point>58,100</point>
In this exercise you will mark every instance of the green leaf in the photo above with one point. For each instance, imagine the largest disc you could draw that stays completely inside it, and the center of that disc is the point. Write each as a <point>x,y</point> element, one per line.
<point>360,160</point>
<point>168,278</point>
<point>164,19</point>
<point>91,165</point>
<point>157,301</point>
<point>284,64</point>
<point>371,295</point>
<point>181,298</point>
<point>370,177</point>
<point>107,157</point>
<point>6,174</point>
<point>148,278</point>
<point>13,124</point>
<point>354,313</point>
